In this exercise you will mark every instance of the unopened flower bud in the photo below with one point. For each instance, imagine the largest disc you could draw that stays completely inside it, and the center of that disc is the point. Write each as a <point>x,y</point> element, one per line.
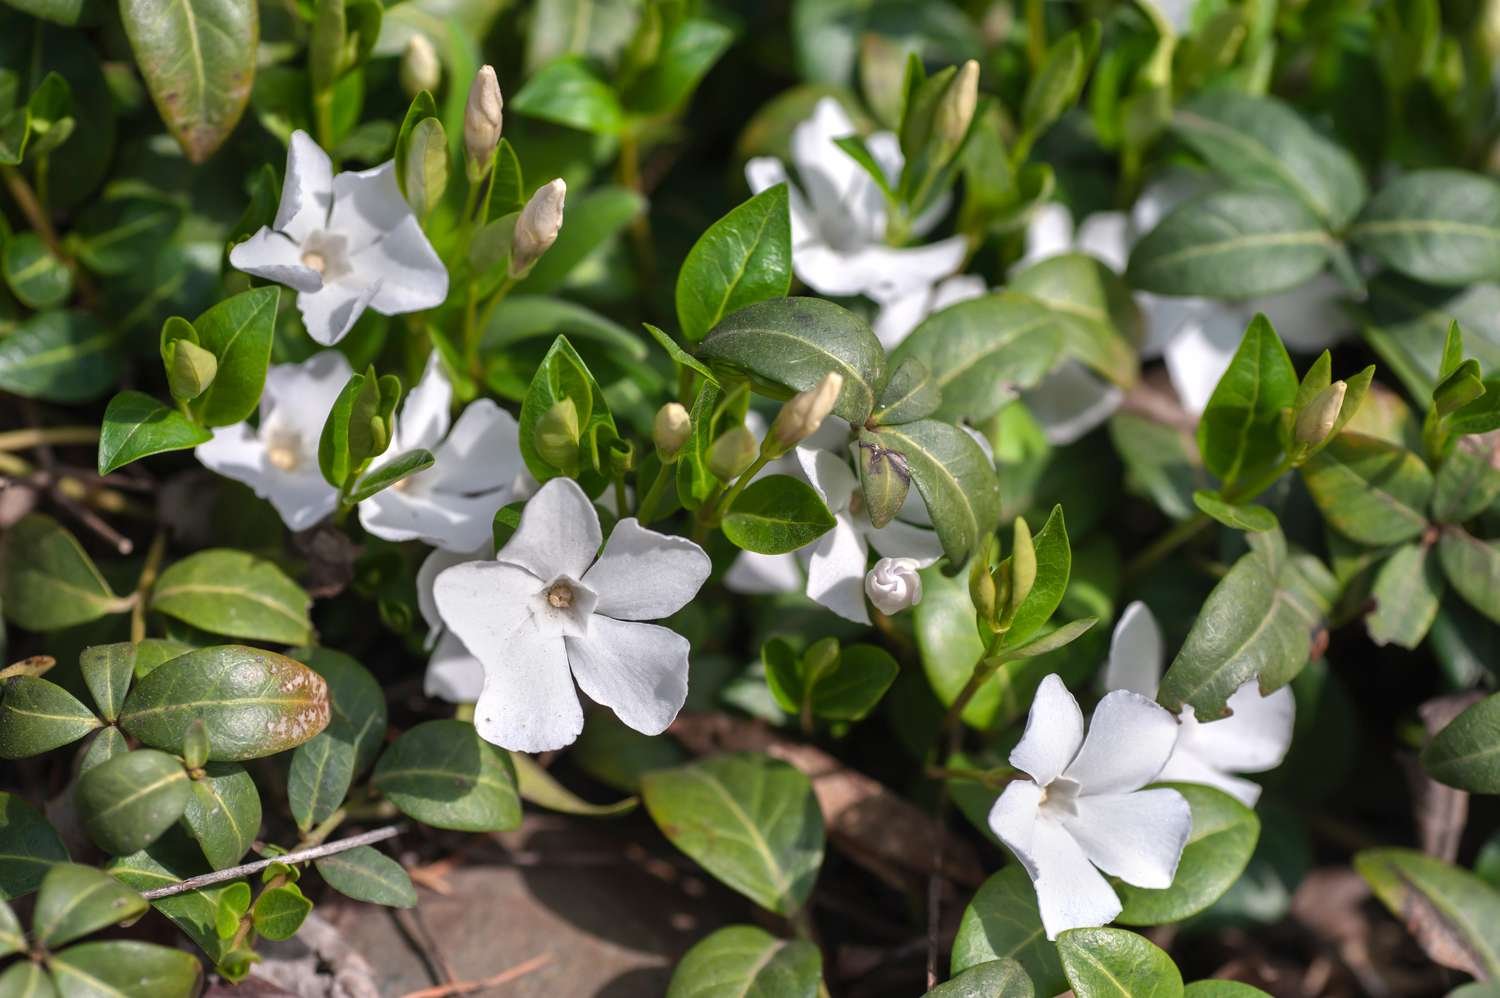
<point>804,412</point>
<point>732,453</point>
<point>893,585</point>
<point>1316,419</point>
<point>537,228</point>
<point>557,435</point>
<point>420,68</point>
<point>955,112</point>
<point>884,480</point>
<point>191,369</point>
<point>671,429</point>
<point>482,121</point>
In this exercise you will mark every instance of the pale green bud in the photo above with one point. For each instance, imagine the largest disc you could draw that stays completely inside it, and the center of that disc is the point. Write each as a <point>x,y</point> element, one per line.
<point>1315,421</point>
<point>732,453</point>
<point>557,435</point>
<point>671,430</point>
<point>955,111</point>
<point>420,67</point>
<point>190,370</point>
<point>537,226</point>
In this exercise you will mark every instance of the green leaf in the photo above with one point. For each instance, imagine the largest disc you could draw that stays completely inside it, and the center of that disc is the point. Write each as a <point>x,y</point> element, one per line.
<point>1438,226</point>
<point>238,331</point>
<point>12,936</point>
<point>537,786</point>
<point>37,716</point>
<point>28,847</point>
<point>1160,461</point>
<point>748,819</point>
<point>1053,640</point>
<point>422,106</point>
<point>994,979</point>
<point>397,470</point>
<point>688,52</point>
<point>1370,490</point>
<point>1054,560</point>
<point>982,351</point>
<point>77,900</point>
<point>745,257</point>
<point>910,393</point>
<point>104,746</point>
<point>223,813</point>
<point>1239,434</point>
<point>34,273</point>
<point>1113,963</point>
<point>562,375</point>
<point>137,425</point>
<point>507,186</point>
<point>170,860</point>
<point>124,967</point>
<point>567,92</point>
<point>117,233</point>
<point>1467,481</point>
<point>1002,923</point>
<point>47,581</point>
<point>1473,569</point>
<point>1466,753</point>
<point>230,592</point>
<point>1451,912</point>
<point>787,345</point>
<point>749,962</point>
<point>198,61</point>
<point>592,221</point>
<point>60,357</point>
<point>367,874</point>
<point>826,681</point>
<point>67,13</point>
<point>1222,989</point>
<point>1258,142</point>
<point>24,979</point>
<point>319,778</point>
<point>1231,244</point>
<point>280,911</point>
<point>1093,309</point>
<point>323,768</point>
<point>1236,516</point>
<point>127,802</point>
<point>1055,85</point>
<point>1408,591</point>
<point>254,702</point>
<point>521,317</point>
<point>955,478</point>
<point>1223,836</point>
<point>679,355</point>
<point>442,774</point>
<point>426,166</point>
<point>777,514</point>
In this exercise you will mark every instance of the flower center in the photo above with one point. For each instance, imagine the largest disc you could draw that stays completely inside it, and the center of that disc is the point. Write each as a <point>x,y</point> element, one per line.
<point>560,595</point>
<point>327,253</point>
<point>284,450</point>
<point>313,260</point>
<point>1061,795</point>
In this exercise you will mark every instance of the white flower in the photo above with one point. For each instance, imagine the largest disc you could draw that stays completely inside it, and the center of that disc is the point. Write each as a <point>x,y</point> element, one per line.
<point>545,613</point>
<point>279,457</point>
<point>344,243</point>
<point>839,215</point>
<point>453,674</point>
<point>893,584</point>
<point>1084,807</point>
<point>1253,739</point>
<point>452,504</point>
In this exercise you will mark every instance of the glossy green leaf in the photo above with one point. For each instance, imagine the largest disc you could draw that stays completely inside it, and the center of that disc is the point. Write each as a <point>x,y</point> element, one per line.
<point>280,911</point>
<point>1113,963</point>
<point>1161,462</point>
<point>125,967</point>
<point>1473,569</point>
<point>1223,836</point>
<point>60,357</point>
<point>323,768</point>
<point>1370,490</point>
<point>1438,226</point>
<point>397,470</point>
<point>29,846</point>
<point>688,52</point>
<point>137,425</point>
<point>198,61</point>
<point>568,92</point>
<point>1238,434</point>
<point>127,802</point>
<point>787,345</point>
<point>422,106</point>
<point>743,258</point>
<point>104,746</point>
<point>1467,481</point>
<point>1236,516</point>
<point>34,273</point>
<point>749,820</point>
<point>1231,244</point>
<point>1002,923</point>
<point>995,979</point>
<point>910,393</point>
<point>1450,912</point>
<point>1053,562</point>
<point>254,702</point>
<point>37,716</point>
<point>747,961</point>
<point>169,860</point>
<point>442,774</point>
<point>563,376</point>
<point>777,514</point>
<point>223,813</point>
<point>679,355</point>
<point>1408,591</point>
<point>234,593</point>
<point>982,351</point>
<point>77,900</point>
<point>238,331</point>
<point>827,681</point>
<point>1466,753</point>
<point>47,581</point>
<point>24,979</point>
<point>319,778</point>
<point>367,874</point>
<point>956,480</point>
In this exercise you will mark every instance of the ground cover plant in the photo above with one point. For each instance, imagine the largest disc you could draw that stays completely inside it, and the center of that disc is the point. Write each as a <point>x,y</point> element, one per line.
<point>1009,491</point>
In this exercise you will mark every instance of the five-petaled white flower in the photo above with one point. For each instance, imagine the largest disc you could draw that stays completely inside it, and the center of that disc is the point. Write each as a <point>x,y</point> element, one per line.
<point>344,243</point>
<point>545,613</point>
<point>279,457</point>
<point>453,673</point>
<point>1253,739</point>
<point>452,504</point>
<point>1083,810</point>
<point>839,214</point>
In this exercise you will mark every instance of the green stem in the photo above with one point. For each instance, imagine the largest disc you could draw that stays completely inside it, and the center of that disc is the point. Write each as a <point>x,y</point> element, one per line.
<point>143,586</point>
<point>712,513</point>
<point>1036,33</point>
<point>621,501</point>
<point>645,512</point>
<point>323,112</point>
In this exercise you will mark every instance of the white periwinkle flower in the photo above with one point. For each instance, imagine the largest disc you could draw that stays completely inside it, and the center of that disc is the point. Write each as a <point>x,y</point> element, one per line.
<point>279,457</point>
<point>452,504</point>
<point>1083,810</point>
<point>839,215</point>
<point>344,243</point>
<point>1253,739</point>
<point>545,613</point>
<point>893,584</point>
<point>453,674</point>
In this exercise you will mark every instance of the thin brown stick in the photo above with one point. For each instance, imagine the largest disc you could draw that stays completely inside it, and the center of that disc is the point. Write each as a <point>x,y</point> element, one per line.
<point>469,987</point>
<point>297,856</point>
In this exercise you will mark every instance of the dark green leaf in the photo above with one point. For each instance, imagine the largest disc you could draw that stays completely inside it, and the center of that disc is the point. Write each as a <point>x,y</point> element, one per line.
<point>366,874</point>
<point>234,593</point>
<point>745,257</point>
<point>47,582</point>
<point>1466,753</point>
<point>1113,963</point>
<point>223,813</point>
<point>137,425</point>
<point>238,331</point>
<point>910,393</point>
<point>37,716</point>
<point>1438,226</point>
<point>777,514</point>
<point>77,900</point>
<point>59,357</point>
<point>28,847</point>
<point>319,778</point>
<point>117,233</point>
<point>127,802</point>
<point>1238,434</point>
<point>1370,490</point>
<point>749,962</point>
<point>1223,836</point>
<point>35,274</point>
<point>124,967</point>
<point>955,478</point>
<point>442,774</point>
<point>1002,923</point>
<point>994,979</point>
<point>829,682</point>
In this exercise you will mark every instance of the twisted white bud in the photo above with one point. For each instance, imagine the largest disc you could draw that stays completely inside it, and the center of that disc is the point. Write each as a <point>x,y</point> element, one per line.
<point>482,120</point>
<point>804,412</point>
<point>537,228</point>
<point>420,68</point>
<point>893,585</point>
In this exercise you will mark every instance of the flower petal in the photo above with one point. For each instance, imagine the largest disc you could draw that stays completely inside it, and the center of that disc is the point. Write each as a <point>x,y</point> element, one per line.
<point>485,603</point>
<point>307,192</point>
<point>529,703</point>
<point>300,396</point>
<point>1135,653</point>
<point>437,562</point>
<point>639,671</point>
<point>836,571</point>
<point>829,474</point>
<point>899,316</point>
<point>644,575</point>
<point>1054,731</point>
<point>1199,354</point>
<point>1185,767</point>
<point>1070,893</point>
<point>903,540</point>
<point>558,535</point>
<point>762,574</point>
<point>300,497</point>
<point>1049,233</point>
<point>1105,235</point>
<point>451,522</point>
<point>274,256</point>
<point>367,204</point>
<point>1138,837</point>
<point>1070,401</point>
<point>329,314</point>
<point>890,272</point>
<point>1252,739</point>
<point>423,419</point>
<point>452,673</point>
<point>765,172</point>
<point>1130,739</point>
<point>829,175</point>
<point>482,454</point>
<point>404,268</point>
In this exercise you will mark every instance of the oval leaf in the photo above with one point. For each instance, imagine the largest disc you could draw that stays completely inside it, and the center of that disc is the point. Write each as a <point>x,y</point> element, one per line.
<point>1438,226</point>
<point>125,967</point>
<point>955,477</point>
<point>137,425</point>
<point>442,774</point>
<point>76,900</point>
<point>1466,754</point>
<point>1113,963</point>
<point>743,258</point>
<point>223,813</point>
<point>47,582</point>
<point>234,593</point>
<point>777,514</point>
<point>1370,490</point>
<point>29,846</point>
<point>37,716</point>
<point>749,962</point>
<point>1003,923</point>
<point>367,874</point>
<point>127,802</point>
<point>60,357</point>
<point>1218,849</point>
<point>1451,913</point>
